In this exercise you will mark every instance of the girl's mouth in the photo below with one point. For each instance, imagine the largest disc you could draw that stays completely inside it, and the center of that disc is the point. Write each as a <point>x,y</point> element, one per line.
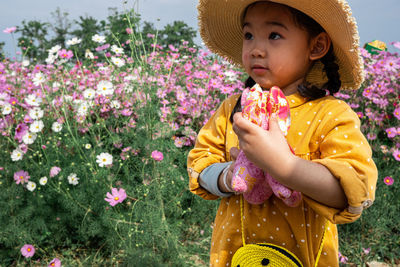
<point>259,70</point>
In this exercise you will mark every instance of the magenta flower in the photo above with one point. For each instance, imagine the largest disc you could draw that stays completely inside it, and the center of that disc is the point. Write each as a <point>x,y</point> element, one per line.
<point>391,132</point>
<point>396,154</point>
<point>20,131</point>
<point>396,113</point>
<point>366,250</point>
<point>10,30</point>
<point>67,54</point>
<point>157,155</point>
<point>55,263</point>
<point>116,197</point>
<point>21,177</point>
<point>388,180</point>
<point>54,171</point>
<point>27,250</point>
<point>371,136</point>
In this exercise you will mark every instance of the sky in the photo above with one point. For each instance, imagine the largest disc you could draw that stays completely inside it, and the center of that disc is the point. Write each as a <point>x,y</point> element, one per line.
<point>376,19</point>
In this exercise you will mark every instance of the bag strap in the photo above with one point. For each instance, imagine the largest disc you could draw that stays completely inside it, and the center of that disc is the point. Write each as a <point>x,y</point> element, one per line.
<point>320,246</point>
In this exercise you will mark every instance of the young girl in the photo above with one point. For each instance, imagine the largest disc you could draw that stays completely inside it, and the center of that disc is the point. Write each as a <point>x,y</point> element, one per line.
<point>309,49</point>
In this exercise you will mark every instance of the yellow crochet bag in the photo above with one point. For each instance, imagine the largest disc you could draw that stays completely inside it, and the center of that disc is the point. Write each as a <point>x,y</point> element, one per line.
<point>266,254</point>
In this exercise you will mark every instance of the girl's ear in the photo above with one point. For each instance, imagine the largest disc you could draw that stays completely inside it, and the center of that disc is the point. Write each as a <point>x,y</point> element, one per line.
<point>320,46</point>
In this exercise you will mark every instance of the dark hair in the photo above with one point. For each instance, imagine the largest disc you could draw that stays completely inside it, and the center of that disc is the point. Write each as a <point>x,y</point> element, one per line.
<point>330,67</point>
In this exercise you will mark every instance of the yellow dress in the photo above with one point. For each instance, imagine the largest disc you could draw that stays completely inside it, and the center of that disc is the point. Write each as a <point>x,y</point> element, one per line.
<point>326,131</point>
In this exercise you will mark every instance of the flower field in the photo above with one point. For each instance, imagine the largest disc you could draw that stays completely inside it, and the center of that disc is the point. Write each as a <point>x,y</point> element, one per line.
<point>93,156</point>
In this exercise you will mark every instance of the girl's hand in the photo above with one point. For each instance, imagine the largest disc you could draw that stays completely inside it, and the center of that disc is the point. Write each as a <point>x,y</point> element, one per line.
<point>266,149</point>
<point>221,184</point>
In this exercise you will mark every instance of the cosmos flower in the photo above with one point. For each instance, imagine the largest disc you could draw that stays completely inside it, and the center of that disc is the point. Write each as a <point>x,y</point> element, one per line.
<point>388,180</point>
<point>27,250</point>
<point>54,171</point>
<point>73,179</point>
<point>31,186</point>
<point>99,39</point>
<point>157,155</point>
<point>17,154</point>
<point>117,196</point>
<point>55,263</point>
<point>104,159</point>
<point>10,30</point>
<point>21,177</point>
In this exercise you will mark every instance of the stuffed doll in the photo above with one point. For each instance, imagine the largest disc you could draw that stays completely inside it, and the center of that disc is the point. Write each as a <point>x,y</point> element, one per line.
<point>256,185</point>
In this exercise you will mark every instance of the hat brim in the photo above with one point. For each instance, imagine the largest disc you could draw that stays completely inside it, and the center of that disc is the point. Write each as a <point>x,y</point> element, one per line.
<point>220,24</point>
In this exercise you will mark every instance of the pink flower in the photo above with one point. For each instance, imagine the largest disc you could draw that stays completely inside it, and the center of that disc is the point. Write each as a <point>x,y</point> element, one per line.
<point>116,197</point>
<point>366,250</point>
<point>54,171</point>
<point>391,132</point>
<point>371,136</point>
<point>10,30</point>
<point>149,35</point>
<point>21,177</point>
<point>27,251</point>
<point>396,154</point>
<point>65,54</point>
<point>396,113</point>
<point>157,155</point>
<point>388,180</point>
<point>55,263</point>
<point>129,30</point>
<point>20,131</point>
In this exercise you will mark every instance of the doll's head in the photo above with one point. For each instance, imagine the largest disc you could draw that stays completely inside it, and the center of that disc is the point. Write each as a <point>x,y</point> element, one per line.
<point>298,44</point>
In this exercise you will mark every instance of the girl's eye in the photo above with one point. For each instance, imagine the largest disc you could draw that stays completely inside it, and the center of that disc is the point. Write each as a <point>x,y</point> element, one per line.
<point>274,36</point>
<point>248,36</point>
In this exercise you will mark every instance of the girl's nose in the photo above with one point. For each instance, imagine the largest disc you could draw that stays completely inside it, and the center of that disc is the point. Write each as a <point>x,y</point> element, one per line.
<point>258,51</point>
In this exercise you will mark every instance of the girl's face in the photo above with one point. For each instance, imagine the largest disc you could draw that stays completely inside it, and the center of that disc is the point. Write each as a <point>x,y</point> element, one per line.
<point>276,52</point>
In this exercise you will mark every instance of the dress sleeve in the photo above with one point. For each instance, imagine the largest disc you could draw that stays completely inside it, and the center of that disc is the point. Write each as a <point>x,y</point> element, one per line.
<point>209,149</point>
<point>346,153</point>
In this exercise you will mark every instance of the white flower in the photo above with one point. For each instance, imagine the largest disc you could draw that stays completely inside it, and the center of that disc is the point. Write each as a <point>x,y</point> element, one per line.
<point>32,100</point>
<point>36,126</point>
<point>115,104</point>
<point>31,186</point>
<point>29,138</point>
<point>119,62</point>
<point>83,109</point>
<point>117,50</point>
<point>230,75</point>
<point>89,54</point>
<point>74,41</point>
<point>104,159</point>
<point>50,59</point>
<point>89,93</point>
<point>105,88</point>
<point>99,39</point>
<point>25,63</point>
<point>88,146</point>
<point>38,79</point>
<point>54,49</point>
<point>7,108</point>
<point>56,127</point>
<point>56,84</point>
<point>68,98</point>
<point>17,154</point>
<point>36,113</point>
<point>73,179</point>
<point>43,180</point>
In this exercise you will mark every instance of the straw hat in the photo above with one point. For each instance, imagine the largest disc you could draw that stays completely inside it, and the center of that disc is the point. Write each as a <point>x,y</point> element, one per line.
<point>220,23</point>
